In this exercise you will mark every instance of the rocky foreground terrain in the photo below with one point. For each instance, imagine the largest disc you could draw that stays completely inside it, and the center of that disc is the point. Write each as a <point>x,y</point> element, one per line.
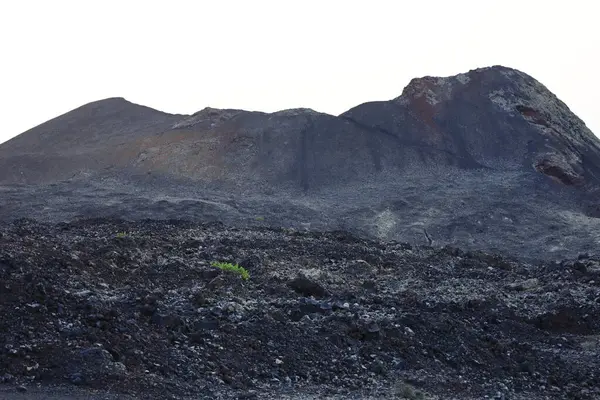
<point>135,310</point>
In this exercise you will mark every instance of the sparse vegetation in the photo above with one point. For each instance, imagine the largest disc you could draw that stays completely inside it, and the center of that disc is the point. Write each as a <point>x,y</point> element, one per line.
<point>241,271</point>
<point>121,234</point>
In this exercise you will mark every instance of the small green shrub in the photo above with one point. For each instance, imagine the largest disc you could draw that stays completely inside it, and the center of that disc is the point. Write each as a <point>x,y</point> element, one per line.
<point>121,234</point>
<point>241,271</point>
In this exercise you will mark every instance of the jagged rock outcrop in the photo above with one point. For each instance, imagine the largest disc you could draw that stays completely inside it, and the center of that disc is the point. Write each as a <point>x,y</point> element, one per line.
<point>494,117</point>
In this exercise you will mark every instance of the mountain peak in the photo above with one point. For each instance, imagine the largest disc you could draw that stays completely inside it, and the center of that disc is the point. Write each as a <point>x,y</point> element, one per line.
<point>509,90</point>
<point>436,89</point>
<point>88,127</point>
<point>496,117</point>
<point>112,100</point>
<point>116,104</point>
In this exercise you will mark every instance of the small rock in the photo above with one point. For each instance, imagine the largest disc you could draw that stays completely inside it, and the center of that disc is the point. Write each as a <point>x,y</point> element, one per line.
<point>118,369</point>
<point>211,274</point>
<point>360,267</point>
<point>252,263</point>
<point>21,389</point>
<point>340,306</point>
<point>373,327</point>
<point>76,378</point>
<point>148,309</point>
<point>278,316</point>
<point>311,306</point>
<point>580,266</point>
<point>305,319</point>
<point>307,287</point>
<point>377,367</point>
<point>199,300</point>
<point>169,321</point>
<point>206,324</point>
<point>95,363</point>
<point>525,285</point>
<point>6,378</point>
<point>217,282</point>
<point>250,394</point>
<point>453,251</point>
<point>369,284</point>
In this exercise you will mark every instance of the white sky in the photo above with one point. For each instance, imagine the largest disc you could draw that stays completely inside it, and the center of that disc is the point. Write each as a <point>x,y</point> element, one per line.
<point>181,56</point>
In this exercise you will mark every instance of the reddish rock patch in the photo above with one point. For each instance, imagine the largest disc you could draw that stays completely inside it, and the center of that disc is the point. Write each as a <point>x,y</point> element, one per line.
<point>533,116</point>
<point>558,173</point>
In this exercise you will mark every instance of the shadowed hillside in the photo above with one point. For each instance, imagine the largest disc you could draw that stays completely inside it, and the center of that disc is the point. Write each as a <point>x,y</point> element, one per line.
<point>487,159</point>
<point>495,118</point>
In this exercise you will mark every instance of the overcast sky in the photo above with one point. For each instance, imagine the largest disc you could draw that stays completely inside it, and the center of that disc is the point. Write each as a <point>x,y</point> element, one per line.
<point>181,56</point>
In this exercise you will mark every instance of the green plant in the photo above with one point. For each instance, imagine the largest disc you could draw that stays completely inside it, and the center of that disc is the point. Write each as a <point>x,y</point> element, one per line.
<point>241,271</point>
<point>121,234</point>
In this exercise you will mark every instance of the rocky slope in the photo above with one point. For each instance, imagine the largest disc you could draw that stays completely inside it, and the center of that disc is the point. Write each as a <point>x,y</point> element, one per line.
<point>489,159</point>
<point>494,117</point>
<point>138,309</point>
<point>497,118</point>
<point>78,142</point>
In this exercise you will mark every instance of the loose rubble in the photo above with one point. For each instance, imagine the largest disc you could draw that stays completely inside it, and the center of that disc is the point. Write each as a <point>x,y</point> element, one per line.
<point>136,307</point>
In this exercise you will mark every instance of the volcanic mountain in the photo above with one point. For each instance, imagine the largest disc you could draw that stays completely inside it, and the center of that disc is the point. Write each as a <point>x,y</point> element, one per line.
<point>487,159</point>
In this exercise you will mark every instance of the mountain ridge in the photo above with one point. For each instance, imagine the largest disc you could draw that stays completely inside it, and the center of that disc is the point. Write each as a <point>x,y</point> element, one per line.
<point>488,159</point>
<point>422,118</point>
